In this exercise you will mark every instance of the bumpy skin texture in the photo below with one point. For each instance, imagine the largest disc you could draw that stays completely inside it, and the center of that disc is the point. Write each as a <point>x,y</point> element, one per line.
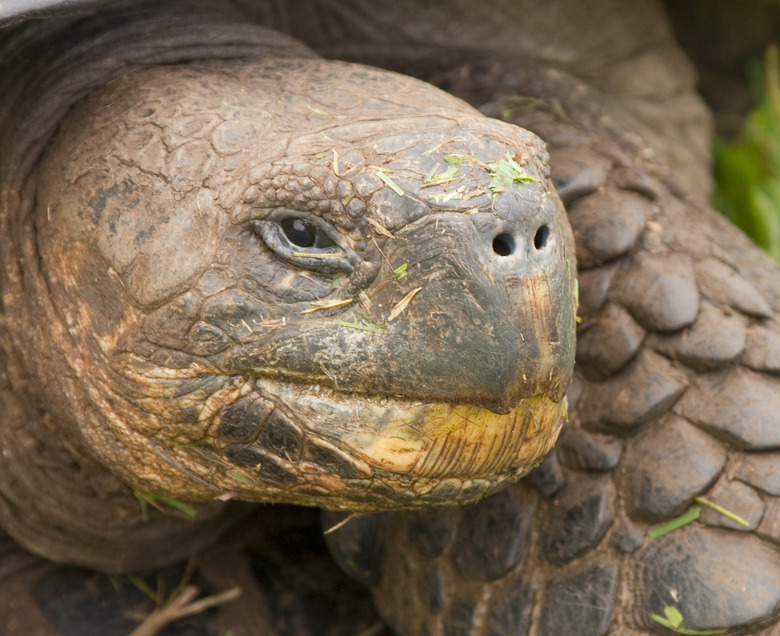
<point>230,321</point>
<point>214,248</point>
<point>625,50</point>
<point>661,411</point>
<point>675,396</point>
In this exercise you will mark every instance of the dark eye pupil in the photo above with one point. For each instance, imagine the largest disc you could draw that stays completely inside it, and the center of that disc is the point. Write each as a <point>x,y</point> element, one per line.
<point>300,232</point>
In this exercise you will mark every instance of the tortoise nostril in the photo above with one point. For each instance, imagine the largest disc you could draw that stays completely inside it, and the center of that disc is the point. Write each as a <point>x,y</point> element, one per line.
<point>504,244</point>
<point>541,237</point>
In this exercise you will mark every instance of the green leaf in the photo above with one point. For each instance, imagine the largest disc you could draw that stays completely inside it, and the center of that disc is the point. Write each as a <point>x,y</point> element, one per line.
<point>358,326</point>
<point>179,505</point>
<point>400,271</point>
<point>723,511</point>
<point>456,159</point>
<point>243,479</point>
<point>674,524</point>
<point>673,622</point>
<point>371,320</point>
<point>673,615</point>
<point>155,500</point>
<point>389,182</point>
<point>505,173</point>
<point>441,178</point>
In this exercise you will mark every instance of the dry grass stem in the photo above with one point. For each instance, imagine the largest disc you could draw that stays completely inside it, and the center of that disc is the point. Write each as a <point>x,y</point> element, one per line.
<point>180,606</point>
<point>402,304</point>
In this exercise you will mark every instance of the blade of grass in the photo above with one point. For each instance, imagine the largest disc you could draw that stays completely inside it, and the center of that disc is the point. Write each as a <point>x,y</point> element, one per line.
<point>383,176</point>
<point>319,306</point>
<point>674,524</point>
<point>673,621</point>
<point>358,326</point>
<point>402,304</point>
<point>723,511</point>
<point>155,500</point>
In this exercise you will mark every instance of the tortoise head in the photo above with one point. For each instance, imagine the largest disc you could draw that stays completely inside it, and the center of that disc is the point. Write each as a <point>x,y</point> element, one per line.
<point>309,282</point>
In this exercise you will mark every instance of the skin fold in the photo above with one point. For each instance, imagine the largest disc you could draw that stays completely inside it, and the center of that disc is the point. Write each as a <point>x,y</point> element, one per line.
<point>228,368</point>
<point>217,251</point>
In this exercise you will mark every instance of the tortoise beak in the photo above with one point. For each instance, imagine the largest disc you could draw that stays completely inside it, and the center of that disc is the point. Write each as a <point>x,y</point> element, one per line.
<point>480,358</point>
<point>491,320</point>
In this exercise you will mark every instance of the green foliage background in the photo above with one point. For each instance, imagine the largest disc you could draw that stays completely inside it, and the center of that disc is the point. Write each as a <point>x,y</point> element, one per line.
<point>747,172</point>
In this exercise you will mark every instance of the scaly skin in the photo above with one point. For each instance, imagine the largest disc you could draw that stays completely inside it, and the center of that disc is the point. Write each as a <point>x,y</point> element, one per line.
<point>675,397</point>
<point>195,344</point>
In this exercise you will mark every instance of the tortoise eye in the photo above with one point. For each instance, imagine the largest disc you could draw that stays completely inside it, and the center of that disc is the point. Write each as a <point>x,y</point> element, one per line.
<point>300,232</point>
<point>303,233</point>
<point>309,243</point>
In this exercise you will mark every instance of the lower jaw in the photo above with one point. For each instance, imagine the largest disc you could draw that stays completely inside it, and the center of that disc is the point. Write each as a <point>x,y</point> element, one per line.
<point>407,454</point>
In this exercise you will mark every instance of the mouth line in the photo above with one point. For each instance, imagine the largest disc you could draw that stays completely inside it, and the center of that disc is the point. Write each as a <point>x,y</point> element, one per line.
<point>327,391</point>
<point>340,450</point>
<point>426,439</point>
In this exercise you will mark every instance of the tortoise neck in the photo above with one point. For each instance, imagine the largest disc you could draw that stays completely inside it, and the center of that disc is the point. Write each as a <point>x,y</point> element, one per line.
<point>58,502</point>
<point>56,499</point>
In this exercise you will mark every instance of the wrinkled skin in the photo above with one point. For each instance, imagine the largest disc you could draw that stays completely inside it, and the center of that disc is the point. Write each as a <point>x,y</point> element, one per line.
<point>218,256</point>
<point>674,397</point>
<point>219,330</point>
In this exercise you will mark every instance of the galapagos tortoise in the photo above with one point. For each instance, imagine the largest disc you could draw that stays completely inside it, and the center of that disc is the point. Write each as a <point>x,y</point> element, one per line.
<point>157,261</point>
